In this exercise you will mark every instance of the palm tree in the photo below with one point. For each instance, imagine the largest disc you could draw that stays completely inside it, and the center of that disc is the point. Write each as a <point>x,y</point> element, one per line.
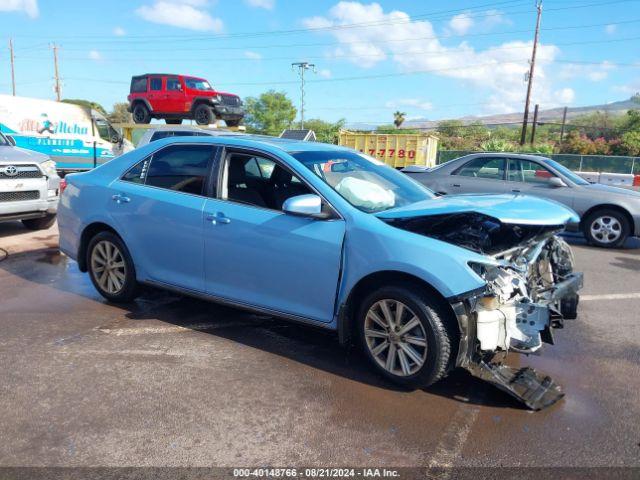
<point>398,118</point>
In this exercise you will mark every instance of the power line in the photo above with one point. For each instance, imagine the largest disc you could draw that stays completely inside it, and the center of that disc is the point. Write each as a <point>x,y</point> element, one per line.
<point>311,29</point>
<point>154,39</point>
<point>361,42</point>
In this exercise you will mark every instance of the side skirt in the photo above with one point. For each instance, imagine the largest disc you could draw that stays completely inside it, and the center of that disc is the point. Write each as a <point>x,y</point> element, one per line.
<point>244,306</point>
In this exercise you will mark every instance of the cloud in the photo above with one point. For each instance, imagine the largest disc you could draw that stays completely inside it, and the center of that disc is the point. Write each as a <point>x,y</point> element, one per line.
<point>594,73</point>
<point>95,55</point>
<point>460,24</point>
<point>187,14</point>
<point>611,29</point>
<point>266,4</point>
<point>119,32</point>
<point>30,7</point>
<point>325,73</point>
<point>252,55</point>
<point>410,102</point>
<point>564,95</point>
<point>497,73</point>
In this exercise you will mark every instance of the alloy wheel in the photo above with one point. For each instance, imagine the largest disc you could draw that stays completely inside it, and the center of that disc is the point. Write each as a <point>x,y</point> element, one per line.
<point>108,267</point>
<point>395,337</point>
<point>606,229</point>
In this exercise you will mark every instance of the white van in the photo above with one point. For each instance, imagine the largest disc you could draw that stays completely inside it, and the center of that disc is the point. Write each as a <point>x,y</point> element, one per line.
<point>75,137</point>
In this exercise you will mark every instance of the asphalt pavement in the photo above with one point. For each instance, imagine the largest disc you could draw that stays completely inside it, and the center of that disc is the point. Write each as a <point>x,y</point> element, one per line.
<point>173,381</point>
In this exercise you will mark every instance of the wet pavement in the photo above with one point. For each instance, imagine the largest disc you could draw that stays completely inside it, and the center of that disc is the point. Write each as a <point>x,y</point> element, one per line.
<point>172,381</point>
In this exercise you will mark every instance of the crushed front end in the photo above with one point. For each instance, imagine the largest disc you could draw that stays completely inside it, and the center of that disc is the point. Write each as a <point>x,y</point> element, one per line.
<point>532,291</point>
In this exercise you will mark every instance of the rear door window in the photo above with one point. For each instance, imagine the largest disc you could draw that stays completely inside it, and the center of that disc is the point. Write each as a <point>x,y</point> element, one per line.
<point>182,168</point>
<point>483,167</point>
<point>155,83</point>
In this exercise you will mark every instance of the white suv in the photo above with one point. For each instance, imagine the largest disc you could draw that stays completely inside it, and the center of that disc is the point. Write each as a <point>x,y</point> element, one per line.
<point>29,186</point>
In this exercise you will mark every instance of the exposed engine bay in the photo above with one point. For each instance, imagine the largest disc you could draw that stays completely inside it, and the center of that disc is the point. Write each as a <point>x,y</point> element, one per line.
<point>530,291</point>
<point>474,231</point>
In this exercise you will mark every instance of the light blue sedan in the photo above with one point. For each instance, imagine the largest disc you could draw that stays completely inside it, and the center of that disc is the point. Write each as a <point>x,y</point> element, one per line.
<point>330,237</point>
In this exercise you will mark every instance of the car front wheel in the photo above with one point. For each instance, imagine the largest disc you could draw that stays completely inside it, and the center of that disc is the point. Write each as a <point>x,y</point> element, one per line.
<point>203,115</point>
<point>606,228</point>
<point>404,336</point>
<point>111,269</point>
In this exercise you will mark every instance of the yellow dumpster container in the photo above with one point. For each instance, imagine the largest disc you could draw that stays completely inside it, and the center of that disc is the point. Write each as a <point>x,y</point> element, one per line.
<point>397,150</point>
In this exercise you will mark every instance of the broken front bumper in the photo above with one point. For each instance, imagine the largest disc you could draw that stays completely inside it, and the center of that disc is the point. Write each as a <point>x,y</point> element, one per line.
<point>520,325</point>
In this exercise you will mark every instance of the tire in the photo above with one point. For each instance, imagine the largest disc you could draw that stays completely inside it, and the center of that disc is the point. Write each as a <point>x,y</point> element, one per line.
<point>430,342</point>
<point>203,115</point>
<point>41,223</point>
<point>606,228</point>
<point>141,113</point>
<point>232,123</point>
<point>116,287</point>
<point>173,121</point>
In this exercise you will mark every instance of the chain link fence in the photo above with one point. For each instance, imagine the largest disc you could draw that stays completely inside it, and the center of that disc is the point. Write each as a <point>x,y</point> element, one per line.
<point>577,163</point>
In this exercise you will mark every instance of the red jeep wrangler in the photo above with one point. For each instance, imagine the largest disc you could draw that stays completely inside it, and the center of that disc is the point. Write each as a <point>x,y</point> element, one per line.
<point>176,97</point>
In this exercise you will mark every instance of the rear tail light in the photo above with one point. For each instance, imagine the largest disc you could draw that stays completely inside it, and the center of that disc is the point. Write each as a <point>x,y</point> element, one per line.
<point>636,181</point>
<point>63,185</point>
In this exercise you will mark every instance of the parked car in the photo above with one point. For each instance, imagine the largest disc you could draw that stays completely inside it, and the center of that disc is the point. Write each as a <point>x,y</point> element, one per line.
<point>75,137</point>
<point>163,131</point>
<point>178,97</point>
<point>608,214</point>
<point>29,186</point>
<point>330,237</point>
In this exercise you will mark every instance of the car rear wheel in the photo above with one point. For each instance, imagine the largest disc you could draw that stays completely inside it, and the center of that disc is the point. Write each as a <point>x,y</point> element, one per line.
<point>203,115</point>
<point>404,336</point>
<point>111,268</point>
<point>41,223</point>
<point>141,113</point>
<point>606,228</point>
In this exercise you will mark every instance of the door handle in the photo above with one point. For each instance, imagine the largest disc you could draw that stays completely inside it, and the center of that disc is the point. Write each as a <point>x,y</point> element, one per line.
<point>515,190</point>
<point>218,218</point>
<point>455,185</point>
<point>119,198</point>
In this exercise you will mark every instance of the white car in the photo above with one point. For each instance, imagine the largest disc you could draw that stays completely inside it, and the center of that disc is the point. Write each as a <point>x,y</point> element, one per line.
<point>29,186</point>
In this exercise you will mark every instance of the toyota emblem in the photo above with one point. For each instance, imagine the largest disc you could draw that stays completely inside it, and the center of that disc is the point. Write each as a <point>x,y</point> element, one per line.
<point>11,171</point>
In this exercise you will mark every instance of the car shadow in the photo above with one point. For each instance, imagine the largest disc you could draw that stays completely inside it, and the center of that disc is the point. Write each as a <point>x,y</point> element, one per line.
<point>308,345</point>
<point>8,229</point>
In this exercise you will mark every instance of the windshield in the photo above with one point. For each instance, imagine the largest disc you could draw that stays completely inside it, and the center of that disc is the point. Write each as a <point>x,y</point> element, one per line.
<point>197,84</point>
<point>364,182</point>
<point>577,179</point>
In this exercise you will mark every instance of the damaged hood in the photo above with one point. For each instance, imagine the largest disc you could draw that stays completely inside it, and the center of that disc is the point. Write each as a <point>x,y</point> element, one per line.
<point>487,224</point>
<point>511,209</point>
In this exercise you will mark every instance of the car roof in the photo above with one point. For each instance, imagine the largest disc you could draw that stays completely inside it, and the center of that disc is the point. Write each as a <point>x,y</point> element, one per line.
<point>256,141</point>
<point>524,156</point>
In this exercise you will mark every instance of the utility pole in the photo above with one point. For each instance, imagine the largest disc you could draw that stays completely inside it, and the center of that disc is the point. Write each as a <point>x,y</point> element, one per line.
<point>535,122</point>
<point>523,135</point>
<point>13,71</point>
<point>302,67</point>
<point>56,87</point>
<point>564,121</point>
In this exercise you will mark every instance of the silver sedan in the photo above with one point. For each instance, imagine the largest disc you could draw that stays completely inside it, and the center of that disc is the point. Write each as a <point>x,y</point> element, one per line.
<point>608,214</point>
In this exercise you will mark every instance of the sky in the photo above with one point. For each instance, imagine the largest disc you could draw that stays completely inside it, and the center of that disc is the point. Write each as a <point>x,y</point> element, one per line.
<point>429,59</point>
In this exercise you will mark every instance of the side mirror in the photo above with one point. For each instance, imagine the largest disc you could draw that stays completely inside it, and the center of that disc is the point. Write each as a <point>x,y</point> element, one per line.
<point>308,205</point>
<point>556,182</point>
<point>11,140</point>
